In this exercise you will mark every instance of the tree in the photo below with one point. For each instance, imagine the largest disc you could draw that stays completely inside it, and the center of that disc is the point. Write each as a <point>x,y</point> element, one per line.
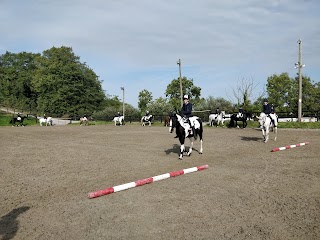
<point>282,92</point>
<point>160,106</point>
<point>243,93</point>
<point>16,71</point>
<point>65,85</point>
<point>173,92</point>
<point>145,97</point>
<point>212,104</point>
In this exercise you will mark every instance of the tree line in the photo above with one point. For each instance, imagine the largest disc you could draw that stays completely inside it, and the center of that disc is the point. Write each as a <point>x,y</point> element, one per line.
<point>56,82</point>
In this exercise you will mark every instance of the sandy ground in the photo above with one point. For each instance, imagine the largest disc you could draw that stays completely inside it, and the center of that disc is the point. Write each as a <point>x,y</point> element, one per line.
<point>247,192</point>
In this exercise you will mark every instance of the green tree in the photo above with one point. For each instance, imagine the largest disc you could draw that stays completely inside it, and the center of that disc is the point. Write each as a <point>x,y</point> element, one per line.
<point>145,97</point>
<point>16,71</point>
<point>212,104</point>
<point>160,106</point>
<point>281,92</point>
<point>173,92</point>
<point>65,85</point>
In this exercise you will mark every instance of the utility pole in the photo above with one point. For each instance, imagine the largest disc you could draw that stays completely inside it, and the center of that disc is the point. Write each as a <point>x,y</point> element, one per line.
<point>122,88</point>
<point>300,66</point>
<point>181,94</point>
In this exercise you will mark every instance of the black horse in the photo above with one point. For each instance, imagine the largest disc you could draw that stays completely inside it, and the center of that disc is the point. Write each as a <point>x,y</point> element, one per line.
<point>15,122</point>
<point>177,122</point>
<point>236,117</point>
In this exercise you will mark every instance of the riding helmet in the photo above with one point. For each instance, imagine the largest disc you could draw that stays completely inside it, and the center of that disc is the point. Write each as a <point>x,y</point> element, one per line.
<point>186,97</point>
<point>266,100</point>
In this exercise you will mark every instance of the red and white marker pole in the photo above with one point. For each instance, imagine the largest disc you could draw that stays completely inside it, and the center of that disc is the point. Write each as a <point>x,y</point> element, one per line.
<point>290,146</point>
<point>145,181</point>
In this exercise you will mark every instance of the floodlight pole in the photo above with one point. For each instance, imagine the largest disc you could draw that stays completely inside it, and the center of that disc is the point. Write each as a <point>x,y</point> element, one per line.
<point>122,88</point>
<point>181,94</point>
<point>300,83</point>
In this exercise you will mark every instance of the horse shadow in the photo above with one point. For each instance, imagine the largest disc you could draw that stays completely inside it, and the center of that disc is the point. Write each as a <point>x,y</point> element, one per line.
<point>176,149</point>
<point>9,224</point>
<point>255,139</point>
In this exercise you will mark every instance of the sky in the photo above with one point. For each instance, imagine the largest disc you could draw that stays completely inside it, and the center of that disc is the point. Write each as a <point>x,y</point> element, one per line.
<point>136,44</point>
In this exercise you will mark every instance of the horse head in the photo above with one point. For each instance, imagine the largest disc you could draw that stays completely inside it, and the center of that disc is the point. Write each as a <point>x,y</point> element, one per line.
<point>172,122</point>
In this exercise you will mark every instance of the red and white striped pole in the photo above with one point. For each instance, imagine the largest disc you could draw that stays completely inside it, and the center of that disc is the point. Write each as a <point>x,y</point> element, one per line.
<point>290,146</point>
<point>145,181</point>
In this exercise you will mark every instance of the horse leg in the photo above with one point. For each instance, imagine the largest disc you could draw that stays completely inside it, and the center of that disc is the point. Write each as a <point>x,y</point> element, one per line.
<point>267,134</point>
<point>191,146</point>
<point>181,151</point>
<point>276,133</point>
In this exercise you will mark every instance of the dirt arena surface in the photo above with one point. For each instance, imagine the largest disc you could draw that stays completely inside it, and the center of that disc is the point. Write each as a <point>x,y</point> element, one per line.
<point>247,192</point>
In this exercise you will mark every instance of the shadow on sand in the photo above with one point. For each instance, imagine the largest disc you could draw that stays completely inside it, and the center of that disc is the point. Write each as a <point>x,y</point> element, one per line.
<point>256,139</point>
<point>9,224</point>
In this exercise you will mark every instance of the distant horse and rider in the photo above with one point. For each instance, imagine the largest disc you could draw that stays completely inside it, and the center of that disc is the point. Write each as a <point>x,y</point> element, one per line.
<point>118,119</point>
<point>241,116</point>
<point>146,119</point>
<point>217,118</point>
<point>47,121</point>
<point>17,121</point>
<point>85,120</point>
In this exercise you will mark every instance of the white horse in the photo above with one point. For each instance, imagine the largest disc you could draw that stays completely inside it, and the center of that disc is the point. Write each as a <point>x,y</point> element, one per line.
<point>146,119</point>
<point>119,120</point>
<point>217,118</point>
<point>267,122</point>
<point>47,121</point>
<point>84,121</point>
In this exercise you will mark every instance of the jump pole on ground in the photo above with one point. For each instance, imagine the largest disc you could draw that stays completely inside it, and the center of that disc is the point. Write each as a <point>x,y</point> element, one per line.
<point>289,146</point>
<point>145,181</point>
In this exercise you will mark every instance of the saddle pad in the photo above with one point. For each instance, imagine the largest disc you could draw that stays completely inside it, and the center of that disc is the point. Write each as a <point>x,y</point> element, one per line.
<point>195,122</point>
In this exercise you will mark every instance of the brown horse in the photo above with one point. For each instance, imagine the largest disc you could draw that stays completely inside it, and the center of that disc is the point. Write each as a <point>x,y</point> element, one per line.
<point>167,121</point>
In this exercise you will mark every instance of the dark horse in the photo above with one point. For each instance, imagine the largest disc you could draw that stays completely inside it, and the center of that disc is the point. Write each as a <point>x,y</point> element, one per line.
<point>236,117</point>
<point>15,122</point>
<point>177,122</point>
<point>166,121</point>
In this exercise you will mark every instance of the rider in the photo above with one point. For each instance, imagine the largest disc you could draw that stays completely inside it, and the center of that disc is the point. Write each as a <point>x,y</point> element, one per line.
<point>19,117</point>
<point>217,112</point>
<point>118,114</point>
<point>44,116</point>
<point>85,117</point>
<point>269,110</point>
<point>240,112</point>
<point>186,111</point>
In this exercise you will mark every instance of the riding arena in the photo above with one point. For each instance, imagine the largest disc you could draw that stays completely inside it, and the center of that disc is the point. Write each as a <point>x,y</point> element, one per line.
<point>247,192</point>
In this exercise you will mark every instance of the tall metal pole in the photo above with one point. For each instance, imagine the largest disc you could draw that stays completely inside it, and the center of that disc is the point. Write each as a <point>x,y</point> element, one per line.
<point>122,88</point>
<point>300,83</point>
<point>181,94</point>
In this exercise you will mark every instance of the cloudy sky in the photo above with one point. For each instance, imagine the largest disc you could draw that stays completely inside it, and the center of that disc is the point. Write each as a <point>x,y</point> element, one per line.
<point>136,44</point>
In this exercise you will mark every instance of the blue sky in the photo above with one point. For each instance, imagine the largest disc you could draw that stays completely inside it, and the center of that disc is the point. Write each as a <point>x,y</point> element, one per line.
<point>136,44</point>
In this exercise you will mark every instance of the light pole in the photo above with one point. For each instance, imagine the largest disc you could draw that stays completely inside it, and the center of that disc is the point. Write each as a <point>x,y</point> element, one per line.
<point>181,94</point>
<point>299,65</point>
<point>122,88</point>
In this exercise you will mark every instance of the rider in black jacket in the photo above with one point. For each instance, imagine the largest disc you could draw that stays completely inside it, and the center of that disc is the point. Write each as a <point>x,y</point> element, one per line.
<point>186,111</point>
